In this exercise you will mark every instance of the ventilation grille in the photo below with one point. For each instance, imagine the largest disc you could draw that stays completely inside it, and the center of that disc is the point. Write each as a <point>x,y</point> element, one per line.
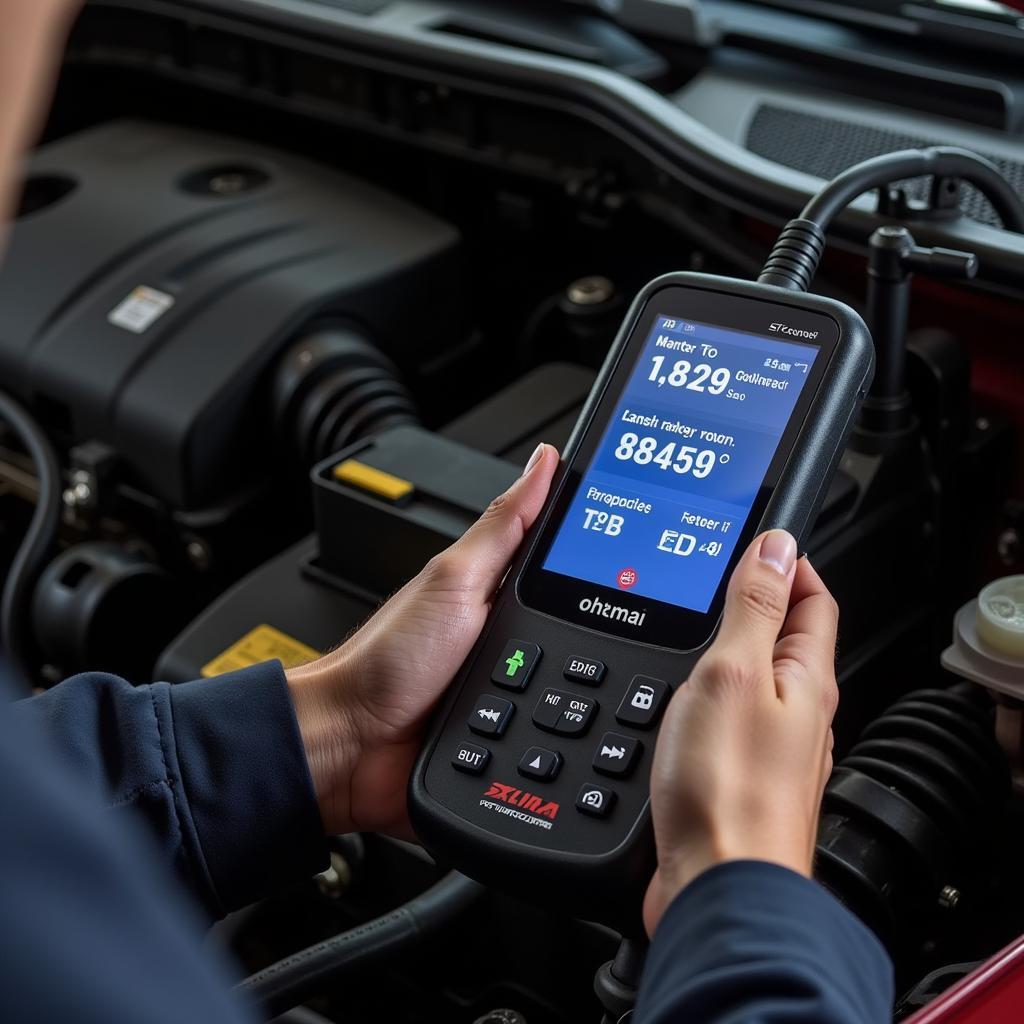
<point>824,146</point>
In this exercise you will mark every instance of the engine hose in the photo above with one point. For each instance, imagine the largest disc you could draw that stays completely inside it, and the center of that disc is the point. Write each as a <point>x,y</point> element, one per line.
<point>333,387</point>
<point>905,813</point>
<point>39,541</point>
<point>797,252</point>
<point>288,982</point>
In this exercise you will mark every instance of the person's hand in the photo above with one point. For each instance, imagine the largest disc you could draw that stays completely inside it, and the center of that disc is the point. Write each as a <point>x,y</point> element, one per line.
<point>362,708</point>
<point>745,748</point>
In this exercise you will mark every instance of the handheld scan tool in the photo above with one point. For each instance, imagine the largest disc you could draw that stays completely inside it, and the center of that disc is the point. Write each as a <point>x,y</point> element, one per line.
<point>721,411</point>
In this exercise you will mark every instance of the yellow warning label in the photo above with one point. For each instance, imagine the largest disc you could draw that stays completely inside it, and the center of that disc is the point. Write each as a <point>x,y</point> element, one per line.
<point>264,643</point>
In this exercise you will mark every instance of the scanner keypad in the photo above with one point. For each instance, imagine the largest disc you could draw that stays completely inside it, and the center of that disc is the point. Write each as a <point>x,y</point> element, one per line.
<point>635,702</point>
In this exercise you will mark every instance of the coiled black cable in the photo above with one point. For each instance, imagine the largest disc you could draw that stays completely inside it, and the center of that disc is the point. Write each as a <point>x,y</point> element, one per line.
<point>798,250</point>
<point>286,983</point>
<point>37,544</point>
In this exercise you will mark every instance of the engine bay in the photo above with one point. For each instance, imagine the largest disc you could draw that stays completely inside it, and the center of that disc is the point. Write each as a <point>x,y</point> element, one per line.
<point>273,257</point>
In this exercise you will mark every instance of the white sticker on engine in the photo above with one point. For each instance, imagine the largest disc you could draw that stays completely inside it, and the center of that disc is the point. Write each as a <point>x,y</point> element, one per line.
<point>141,309</point>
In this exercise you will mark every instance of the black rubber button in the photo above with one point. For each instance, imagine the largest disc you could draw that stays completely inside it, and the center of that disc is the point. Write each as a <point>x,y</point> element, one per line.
<point>595,800</point>
<point>490,716</point>
<point>540,763</point>
<point>583,670</point>
<point>644,701</point>
<point>616,754</point>
<point>515,665</point>
<point>563,712</point>
<point>470,758</point>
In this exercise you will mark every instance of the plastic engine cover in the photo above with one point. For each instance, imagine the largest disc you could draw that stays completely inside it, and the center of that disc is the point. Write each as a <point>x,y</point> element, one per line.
<point>155,273</point>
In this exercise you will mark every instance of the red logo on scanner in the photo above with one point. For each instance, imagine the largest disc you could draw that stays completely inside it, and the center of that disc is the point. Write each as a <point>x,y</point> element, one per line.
<point>627,578</point>
<point>525,801</point>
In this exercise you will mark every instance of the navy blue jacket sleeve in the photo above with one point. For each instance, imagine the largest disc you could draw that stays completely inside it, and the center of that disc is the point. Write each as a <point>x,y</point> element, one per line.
<point>749,942</point>
<point>92,930</point>
<point>215,766</point>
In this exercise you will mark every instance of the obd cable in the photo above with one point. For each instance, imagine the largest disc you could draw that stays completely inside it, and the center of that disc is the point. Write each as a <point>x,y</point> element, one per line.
<point>798,250</point>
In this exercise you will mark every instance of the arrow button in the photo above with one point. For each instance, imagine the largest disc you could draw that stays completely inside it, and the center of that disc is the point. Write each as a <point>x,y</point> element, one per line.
<point>515,664</point>
<point>540,763</point>
<point>490,715</point>
<point>617,754</point>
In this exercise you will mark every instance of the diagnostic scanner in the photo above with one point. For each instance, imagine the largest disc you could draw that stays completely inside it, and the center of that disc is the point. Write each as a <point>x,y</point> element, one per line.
<point>721,411</point>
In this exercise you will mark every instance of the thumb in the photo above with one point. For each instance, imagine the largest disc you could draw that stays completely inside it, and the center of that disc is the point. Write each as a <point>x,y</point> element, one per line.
<point>481,556</point>
<point>757,600</point>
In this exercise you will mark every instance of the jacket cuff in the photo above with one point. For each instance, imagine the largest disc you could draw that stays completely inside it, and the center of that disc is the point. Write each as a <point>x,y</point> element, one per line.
<point>250,808</point>
<point>740,917</point>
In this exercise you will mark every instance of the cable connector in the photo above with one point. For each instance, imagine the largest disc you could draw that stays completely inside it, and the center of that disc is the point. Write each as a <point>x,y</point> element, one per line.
<point>795,256</point>
<point>893,257</point>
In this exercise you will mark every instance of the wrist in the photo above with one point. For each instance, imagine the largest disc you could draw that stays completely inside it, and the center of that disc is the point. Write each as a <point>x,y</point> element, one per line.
<point>676,872</point>
<point>679,876</point>
<point>331,738</point>
<point>679,869</point>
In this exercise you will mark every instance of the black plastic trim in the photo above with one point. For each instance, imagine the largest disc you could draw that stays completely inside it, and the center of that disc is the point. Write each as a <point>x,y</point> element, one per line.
<point>672,140</point>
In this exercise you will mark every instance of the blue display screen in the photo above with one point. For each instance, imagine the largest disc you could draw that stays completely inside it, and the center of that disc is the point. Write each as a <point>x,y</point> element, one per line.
<point>664,500</point>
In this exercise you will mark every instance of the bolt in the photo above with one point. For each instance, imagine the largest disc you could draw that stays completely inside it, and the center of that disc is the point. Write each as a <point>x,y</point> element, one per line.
<point>77,496</point>
<point>198,553</point>
<point>229,183</point>
<point>82,492</point>
<point>336,879</point>
<point>949,897</point>
<point>590,291</point>
<point>1008,546</point>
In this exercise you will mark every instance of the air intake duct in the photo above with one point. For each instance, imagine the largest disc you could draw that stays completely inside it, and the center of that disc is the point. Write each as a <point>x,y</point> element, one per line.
<point>334,386</point>
<point>906,813</point>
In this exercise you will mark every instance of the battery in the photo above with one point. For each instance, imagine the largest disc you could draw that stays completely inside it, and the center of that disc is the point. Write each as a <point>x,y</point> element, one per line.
<point>386,505</point>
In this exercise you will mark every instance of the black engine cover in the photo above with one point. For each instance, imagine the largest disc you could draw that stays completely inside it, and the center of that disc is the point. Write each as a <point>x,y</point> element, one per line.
<point>235,248</point>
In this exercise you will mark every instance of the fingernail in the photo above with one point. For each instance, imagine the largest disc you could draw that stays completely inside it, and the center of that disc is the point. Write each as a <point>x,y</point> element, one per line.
<point>534,458</point>
<point>778,549</point>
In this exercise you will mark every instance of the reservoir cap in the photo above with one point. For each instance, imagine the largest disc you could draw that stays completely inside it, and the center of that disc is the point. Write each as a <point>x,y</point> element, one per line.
<point>1000,615</point>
